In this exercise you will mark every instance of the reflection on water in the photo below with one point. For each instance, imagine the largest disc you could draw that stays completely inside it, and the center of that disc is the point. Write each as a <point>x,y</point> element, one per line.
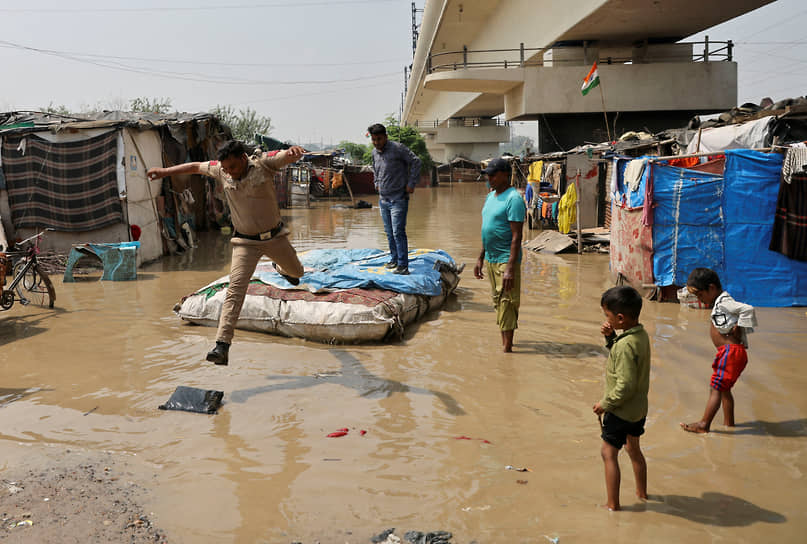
<point>92,373</point>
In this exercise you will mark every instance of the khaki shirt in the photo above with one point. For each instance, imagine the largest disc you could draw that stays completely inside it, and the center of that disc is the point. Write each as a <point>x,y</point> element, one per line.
<point>252,199</point>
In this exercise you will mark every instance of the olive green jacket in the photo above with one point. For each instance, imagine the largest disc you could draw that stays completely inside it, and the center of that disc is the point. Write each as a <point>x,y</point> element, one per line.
<point>627,374</point>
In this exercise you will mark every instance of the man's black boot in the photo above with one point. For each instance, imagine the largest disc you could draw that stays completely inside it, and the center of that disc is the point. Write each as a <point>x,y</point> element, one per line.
<point>220,354</point>
<point>291,279</point>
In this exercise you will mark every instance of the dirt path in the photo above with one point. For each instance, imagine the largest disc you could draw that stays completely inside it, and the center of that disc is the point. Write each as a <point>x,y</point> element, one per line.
<point>73,497</point>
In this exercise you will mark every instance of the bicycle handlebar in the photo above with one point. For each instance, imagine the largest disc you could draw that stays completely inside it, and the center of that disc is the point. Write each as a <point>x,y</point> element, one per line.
<point>34,236</point>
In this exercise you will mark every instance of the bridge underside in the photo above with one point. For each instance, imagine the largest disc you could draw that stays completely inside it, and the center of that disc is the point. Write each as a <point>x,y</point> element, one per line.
<point>470,61</point>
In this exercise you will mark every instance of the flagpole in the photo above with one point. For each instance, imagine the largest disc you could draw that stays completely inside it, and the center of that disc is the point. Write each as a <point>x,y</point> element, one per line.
<point>602,97</point>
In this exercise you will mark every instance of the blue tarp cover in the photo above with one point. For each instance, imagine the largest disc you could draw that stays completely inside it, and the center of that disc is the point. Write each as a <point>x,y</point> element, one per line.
<point>754,273</point>
<point>725,223</point>
<point>330,269</point>
<point>688,229</point>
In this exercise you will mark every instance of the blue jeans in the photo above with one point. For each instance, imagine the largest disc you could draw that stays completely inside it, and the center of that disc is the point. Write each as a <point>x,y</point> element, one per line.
<point>393,212</point>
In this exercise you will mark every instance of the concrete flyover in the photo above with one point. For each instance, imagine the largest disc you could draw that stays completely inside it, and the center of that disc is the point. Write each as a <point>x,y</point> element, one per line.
<point>526,59</point>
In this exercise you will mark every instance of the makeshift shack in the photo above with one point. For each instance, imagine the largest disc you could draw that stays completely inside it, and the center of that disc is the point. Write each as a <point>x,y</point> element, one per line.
<point>85,177</point>
<point>459,170</point>
<point>716,214</point>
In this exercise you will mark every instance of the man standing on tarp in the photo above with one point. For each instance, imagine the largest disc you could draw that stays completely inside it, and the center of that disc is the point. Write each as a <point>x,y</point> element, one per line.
<point>248,183</point>
<point>396,171</point>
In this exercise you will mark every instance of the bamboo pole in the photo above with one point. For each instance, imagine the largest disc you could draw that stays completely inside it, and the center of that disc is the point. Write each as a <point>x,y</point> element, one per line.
<point>577,206</point>
<point>349,190</point>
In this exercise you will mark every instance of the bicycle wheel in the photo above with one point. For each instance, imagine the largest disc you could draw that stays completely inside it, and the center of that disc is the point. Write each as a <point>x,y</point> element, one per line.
<point>35,286</point>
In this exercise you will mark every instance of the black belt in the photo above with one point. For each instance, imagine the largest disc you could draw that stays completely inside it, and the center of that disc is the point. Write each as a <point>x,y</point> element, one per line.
<point>268,235</point>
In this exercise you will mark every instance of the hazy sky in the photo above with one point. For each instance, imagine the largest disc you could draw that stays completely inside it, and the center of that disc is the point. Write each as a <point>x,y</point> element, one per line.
<point>323,70</point>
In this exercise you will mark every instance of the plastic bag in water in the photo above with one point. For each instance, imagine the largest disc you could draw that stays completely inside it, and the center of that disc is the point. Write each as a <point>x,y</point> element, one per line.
<point>191,399</point>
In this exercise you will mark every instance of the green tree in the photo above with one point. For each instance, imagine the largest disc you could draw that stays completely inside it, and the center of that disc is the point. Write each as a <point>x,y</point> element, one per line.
<point>244,123</point>
<point>411,138</point>
<point>61,109</point>
<point>144,104</point>
<point>358,153</point>
<point>517,145</point>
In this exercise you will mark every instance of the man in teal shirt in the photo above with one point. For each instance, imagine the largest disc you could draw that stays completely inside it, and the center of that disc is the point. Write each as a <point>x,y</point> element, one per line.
<point>502,222</point>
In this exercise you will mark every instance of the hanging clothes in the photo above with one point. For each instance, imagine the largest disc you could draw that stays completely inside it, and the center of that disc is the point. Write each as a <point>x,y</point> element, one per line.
<point>795,161</point>
<point>567,211</point>
<point>536,169</point>
<point>686,162</point>
<point>789,235</point>
<point>634,172</point>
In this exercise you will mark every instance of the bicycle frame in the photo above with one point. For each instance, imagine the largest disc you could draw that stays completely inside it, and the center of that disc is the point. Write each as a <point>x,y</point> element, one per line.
<point>18,278</point>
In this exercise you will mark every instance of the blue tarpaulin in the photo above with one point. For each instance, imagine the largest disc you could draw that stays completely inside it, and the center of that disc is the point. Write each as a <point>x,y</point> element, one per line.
<point>329,269</point>
<point>754,273</point>
<point>688,226</point>
<point>725,223</point>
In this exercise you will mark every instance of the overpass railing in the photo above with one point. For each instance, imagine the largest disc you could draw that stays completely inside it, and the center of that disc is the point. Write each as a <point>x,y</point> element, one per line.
<point>468,122</point>
<point>711,51</point>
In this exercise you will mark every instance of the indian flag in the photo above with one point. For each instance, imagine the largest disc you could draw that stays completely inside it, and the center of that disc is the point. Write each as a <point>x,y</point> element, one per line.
<point>591,81</point>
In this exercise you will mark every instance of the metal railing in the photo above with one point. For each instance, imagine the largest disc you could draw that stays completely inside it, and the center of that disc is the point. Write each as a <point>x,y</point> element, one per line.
<point>466,122</point>
<point>519,58</point>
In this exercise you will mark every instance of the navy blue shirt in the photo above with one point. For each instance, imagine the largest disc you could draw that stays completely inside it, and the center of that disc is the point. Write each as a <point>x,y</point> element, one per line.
<point>395,168</point>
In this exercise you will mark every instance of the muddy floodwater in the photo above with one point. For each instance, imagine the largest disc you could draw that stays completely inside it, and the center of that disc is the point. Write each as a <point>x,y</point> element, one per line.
<point>89,375</point>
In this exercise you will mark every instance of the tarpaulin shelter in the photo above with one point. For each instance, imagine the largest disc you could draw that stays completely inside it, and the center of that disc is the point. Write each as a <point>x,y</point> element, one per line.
<point>85,176</point>
<point>682,218</point>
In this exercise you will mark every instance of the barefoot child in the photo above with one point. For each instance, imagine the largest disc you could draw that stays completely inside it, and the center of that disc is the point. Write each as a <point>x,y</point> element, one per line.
<point>731,321</point>
<point>627,380</point>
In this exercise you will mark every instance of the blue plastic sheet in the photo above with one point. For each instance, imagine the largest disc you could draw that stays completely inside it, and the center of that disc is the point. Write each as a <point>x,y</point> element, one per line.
<point>755,274</point>
<point>329,269</point>
<point>725,223</point>
<point>689,226</point>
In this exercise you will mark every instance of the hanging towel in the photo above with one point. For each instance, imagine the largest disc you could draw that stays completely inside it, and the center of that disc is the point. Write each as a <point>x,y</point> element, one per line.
<point>536,168</point>
<point>567,213</point>
<point>634,172</point>
<point>795,161</point>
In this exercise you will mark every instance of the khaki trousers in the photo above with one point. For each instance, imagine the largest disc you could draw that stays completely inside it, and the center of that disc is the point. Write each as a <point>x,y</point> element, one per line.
<point>246,254</point>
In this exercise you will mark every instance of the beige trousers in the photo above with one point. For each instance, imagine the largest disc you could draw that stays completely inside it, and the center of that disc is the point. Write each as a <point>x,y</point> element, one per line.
<point>246,254</point>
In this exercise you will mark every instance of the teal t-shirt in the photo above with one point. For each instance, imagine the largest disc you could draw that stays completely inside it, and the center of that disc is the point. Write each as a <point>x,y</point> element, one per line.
<point>498,212</point>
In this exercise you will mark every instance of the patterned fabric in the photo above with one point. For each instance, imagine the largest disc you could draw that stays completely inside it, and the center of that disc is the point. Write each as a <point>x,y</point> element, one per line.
<point>789,236</point>
<point>364,297</point>
<point>795,161</point>
<point>70,186</point>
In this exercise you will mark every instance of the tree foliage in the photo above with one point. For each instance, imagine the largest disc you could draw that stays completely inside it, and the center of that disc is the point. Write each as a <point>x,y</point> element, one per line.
<point>244,123</point>
<point>517,146</point>
<point>144,104</point>
<point>411,138</point>
<point>357,153</point>
<point>51,108</point>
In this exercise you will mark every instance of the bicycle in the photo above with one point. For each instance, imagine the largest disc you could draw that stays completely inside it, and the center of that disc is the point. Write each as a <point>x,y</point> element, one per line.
<point>30,283</point>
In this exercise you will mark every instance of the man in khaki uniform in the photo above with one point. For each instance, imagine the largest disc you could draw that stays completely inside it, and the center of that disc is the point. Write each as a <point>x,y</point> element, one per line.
<point>248,183</point>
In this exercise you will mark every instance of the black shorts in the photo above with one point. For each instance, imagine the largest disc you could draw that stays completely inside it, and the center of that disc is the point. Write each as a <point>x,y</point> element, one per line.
<point>615,430</point>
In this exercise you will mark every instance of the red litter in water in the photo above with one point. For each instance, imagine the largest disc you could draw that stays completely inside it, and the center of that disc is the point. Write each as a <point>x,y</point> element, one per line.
<point>362,432</point>
<point>463,438</point>
<point>342,430</point>
<point>337,434</point>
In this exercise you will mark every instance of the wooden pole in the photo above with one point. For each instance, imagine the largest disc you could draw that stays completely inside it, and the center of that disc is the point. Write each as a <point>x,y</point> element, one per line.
<point>577,205</point>
<point>602,97</point>
<point>349,190</point>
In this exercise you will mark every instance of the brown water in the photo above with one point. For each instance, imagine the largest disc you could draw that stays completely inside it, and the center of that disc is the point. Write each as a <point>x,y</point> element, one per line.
<point>262,470</point>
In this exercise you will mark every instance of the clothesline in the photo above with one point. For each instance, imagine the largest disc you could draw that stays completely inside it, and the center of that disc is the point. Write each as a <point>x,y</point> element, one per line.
<point>705,154</point>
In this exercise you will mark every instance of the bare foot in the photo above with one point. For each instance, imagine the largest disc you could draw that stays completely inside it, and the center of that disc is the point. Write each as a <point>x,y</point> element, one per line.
<point>642,496</point>
<point>698,427</point>
<point>611,508</point>
<point>507,349</point>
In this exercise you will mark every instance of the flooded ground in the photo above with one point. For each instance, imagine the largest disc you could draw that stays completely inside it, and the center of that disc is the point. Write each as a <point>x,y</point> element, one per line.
<point>90,375</point>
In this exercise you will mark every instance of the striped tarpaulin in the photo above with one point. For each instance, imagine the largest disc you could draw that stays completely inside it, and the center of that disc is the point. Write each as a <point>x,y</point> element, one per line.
<point>70,186</point>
